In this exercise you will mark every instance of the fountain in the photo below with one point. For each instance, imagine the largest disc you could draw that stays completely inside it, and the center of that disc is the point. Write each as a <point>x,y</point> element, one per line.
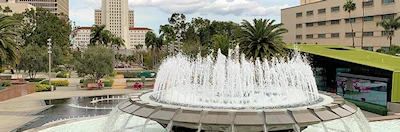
<point>231,93</point>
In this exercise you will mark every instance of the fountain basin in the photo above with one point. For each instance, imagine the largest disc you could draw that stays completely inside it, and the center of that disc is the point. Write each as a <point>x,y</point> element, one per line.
<point>332,107</point>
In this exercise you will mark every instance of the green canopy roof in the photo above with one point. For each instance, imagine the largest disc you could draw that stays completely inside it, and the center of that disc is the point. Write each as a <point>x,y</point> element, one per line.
<point>358,56</point>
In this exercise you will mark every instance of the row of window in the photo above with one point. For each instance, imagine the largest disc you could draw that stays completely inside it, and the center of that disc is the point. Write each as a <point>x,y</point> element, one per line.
<point>348,20</point>
<point>337,35</point>
<point>337,8</point>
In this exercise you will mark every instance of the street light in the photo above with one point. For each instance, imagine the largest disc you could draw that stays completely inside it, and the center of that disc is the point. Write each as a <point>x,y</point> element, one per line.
<point>49,51</point>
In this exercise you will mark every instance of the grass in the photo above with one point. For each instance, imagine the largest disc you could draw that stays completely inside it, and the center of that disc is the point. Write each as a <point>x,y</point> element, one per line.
<point>374,108</point>
<point>358,56</point>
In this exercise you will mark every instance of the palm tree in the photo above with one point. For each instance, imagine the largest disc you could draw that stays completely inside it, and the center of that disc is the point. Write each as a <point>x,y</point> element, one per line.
<point>261,40</point>
<point>138,47</point>
<point>390,26</point>
<point>350,6</point>
<point>362,28</point>
<point>7,10</point>
<point>117,42</point>
<point>8,44</point>
<point>100,36</point>
<point>222,42</point>
<point>150,42</point>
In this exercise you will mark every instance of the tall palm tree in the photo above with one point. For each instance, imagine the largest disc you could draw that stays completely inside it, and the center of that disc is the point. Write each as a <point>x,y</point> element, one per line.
<point>362,28</point>
<point>8,36</point>
<point>150,42</point>
<point>117,42</point>
<point>138,47</point>
<point>7,10</point>
<point>350,6</point>
<point>222,42</point>
<point>390,26</point>
<point>263,39</point>
<point>100,36</point>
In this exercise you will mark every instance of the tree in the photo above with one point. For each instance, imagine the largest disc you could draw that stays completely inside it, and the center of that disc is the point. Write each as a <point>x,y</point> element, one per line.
<point>362,27</point>
<point>99,35</point>
<point>390,27</point>
<point>117,42</point>
<point>139,47</point>
<point>96,61</point>
<point>155,43</point>
<point>222,42</point>
<point>34,59</point>
<point>350,6</point>
<point>261,40</point>
<point>7,10</point>
<point>9,37</point>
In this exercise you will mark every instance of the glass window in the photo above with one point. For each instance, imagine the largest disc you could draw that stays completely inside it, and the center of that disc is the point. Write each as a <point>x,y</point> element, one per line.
<point>299,25</point>
<point>368,3</point>
<point>387,1</point>
<point>368,33</point>
<point>336,8</point>
<point>310,12</point>
<point>320,11</point>
<point>309,24</point>
<point>386,33</point>
<point>388,16</point>
<point>335,22</point>
<point>310,36</point>
<point>368,48</point>
<point>386,49</point>
<point>321,36</point>
<point>335,35</point>
<point>299,14</point>
<point>322,23</point>
<point>350,34</point>
<point>369,18</point>
<point>352,20</point>
<point>299,36</point>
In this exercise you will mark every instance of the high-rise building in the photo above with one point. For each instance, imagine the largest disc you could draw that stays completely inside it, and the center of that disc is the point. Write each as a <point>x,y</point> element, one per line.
<point>117,17</point>
<point>54,6</point>
<point>326,22</point>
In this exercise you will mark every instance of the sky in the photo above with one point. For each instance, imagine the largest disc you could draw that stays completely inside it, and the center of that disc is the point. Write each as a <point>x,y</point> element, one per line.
<point>153,13</point>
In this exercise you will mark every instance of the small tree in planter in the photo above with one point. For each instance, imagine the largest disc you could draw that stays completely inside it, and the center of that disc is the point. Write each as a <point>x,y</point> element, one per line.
<point>96,61</point>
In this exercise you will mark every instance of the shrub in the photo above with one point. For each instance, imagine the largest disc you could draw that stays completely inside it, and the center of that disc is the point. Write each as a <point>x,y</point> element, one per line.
<point>374,108</point>
<point>56,82</point>
<point>129,74</point>
<point>5,83</point>
<point>34,79</point>
<point>82,80</point>
<point>62,74</point>
<point>113,74</point>
<point>2,70</point>
<point>131,80</point>
<point>56,69</point>
<point>108,84</point>
<point>43,87</point>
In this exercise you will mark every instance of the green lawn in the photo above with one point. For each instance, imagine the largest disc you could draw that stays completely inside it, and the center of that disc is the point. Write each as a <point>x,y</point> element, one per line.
<point>358,56</point>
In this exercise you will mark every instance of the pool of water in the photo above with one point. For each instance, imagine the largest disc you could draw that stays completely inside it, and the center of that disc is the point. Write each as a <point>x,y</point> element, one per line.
<point>62,110</point>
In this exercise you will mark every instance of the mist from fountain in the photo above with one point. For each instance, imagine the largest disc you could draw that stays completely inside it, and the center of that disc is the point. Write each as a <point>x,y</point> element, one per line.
<point>234,82</point>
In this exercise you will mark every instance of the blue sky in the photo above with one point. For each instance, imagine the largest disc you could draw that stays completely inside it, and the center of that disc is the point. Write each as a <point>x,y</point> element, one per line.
<point>153,13</point>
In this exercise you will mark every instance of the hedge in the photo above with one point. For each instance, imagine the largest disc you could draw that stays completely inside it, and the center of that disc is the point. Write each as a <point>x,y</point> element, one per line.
<point>108,84</point>
<point>370,107</point>
<point>129,74</point>
<point>35,79</point>
<point>56,82</point>
<point>62,74</point>
<point>5,83</point>
<point>43,87</point>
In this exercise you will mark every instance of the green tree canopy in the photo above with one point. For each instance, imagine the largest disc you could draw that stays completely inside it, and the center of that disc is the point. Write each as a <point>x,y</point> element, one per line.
<point>9,38</point>
<point>96,61</point>
<point>390,27</point>
<point>34,60</point>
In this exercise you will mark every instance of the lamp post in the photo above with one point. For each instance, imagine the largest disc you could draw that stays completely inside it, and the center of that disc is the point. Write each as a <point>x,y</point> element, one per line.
<point>49,51</point>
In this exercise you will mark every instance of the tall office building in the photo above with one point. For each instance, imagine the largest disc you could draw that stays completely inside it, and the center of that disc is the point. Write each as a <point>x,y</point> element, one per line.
<point>54,6</point>
<point>326,22</point>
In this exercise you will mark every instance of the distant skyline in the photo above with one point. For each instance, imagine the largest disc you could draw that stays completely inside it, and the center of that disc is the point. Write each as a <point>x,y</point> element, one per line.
<point>153,13</point>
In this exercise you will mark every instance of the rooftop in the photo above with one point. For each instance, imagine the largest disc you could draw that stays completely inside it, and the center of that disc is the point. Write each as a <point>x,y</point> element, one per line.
<point>358,56</point>
<point>140,28</point>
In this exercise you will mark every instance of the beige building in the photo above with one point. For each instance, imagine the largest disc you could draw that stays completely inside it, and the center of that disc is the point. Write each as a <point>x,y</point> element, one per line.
<point>82,38</point>
<point>16,7</point>
<point>326,22</point>
<point>54,6</point>
<point>117,17</point>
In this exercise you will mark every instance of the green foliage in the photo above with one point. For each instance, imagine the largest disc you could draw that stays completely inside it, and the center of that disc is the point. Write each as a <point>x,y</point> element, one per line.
<point>62,74</point>
<point>34,59</point>
<point>390,27</point>
<point>350,6</point>
<point>34,80</point>
<point>5,83</point>
<point>262,40</point>
<point>108,84</point>
<point>44,87</point>
<point>56,82</point>
<point>129,74</point>
<point>2,70</point>
<point>374,108</point>
<point>82,80</point>
<point>96,61</point>
<point>9,36</point>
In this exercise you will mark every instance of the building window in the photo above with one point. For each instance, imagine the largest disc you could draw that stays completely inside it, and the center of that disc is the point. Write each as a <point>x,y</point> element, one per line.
<point>335,35</point>
<point>321,36</point>
<point>320,11</point>
<point>388,16</point>
<point>386,49</point>
<point>310,36</point>
<point>299,36</point>
<point>386,33</point>
<point>368,48</point>
<point>368,3</point>
<point>310,12</point>
<point>350,34</point>
<point>333,22</point>
<point>309,24</point>
<point>299,25</point>
<point>387,1</point>
<point>350,20</point>
<point>336,8</point>
<point>299,14</point>
<point>368,33</point>
<point>322,23</point>
<point>369,18</point>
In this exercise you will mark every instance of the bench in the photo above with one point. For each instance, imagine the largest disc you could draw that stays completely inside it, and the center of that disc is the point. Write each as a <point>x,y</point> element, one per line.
<point>93,85</point>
